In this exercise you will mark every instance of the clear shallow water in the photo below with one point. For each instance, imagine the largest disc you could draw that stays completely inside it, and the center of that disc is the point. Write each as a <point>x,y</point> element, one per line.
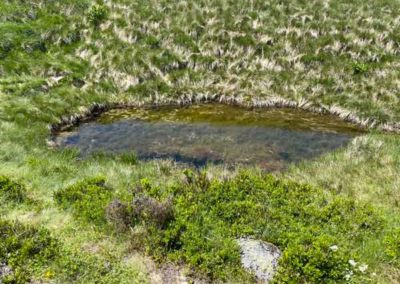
<point>213,133</point>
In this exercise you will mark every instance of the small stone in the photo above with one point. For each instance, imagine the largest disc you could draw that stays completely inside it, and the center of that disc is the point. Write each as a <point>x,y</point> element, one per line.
<point>352,262</point>
<point>334,248</point>
<point>363,268</point>
<point>259,257</point>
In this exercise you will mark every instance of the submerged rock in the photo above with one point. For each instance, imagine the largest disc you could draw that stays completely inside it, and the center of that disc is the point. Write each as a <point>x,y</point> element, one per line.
<point>259,257</point>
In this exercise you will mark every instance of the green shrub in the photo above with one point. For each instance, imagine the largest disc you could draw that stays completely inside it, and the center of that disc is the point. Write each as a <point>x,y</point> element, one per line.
<point>88,199</point>
<point>11,191</point>
<point>392,242</point>
<point>97,15</point>
<point>22,248</point>
<point>210,215</point>
<point>311,259</point>
<point>360,68</point>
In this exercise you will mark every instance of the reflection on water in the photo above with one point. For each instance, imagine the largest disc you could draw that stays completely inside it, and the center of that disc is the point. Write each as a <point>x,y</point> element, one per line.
<point>213,134</point>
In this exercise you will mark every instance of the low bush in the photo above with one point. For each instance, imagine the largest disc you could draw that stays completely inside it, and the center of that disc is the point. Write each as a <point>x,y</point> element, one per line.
<point>22,248</point>
<point>11,191</point>
<point>88,199</point>
<point>118,215</point>
<point>148,210</point>
<point>198,221</point>
<point>97,14</point>
<point>317,235</point>
<point>360,68</point>
<point>392,242</point>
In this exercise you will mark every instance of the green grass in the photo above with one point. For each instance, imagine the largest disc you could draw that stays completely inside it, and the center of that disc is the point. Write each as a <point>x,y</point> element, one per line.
<point>59,57</point>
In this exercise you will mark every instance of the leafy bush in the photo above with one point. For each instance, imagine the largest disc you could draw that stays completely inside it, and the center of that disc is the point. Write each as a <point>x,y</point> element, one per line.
<point>88,199</point>
<point>97,14</point>
<point>392,242</point>
<point>11,191</point>
<point>22,248</point>
<point>360,68</point>
<point>314,259</point>
<point>210,215</point>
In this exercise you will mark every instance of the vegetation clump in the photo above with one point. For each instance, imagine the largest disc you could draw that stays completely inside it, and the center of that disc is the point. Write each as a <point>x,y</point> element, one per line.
<point>392,242</point>
<point>97,14</point>
<point>11,191</point>
<point>202,219</point>
<point>22,249</point>
<point>87,199</point>
<point>118,215</point>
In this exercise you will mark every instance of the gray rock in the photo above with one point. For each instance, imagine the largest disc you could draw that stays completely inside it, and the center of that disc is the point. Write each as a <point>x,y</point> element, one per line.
<point>260,258</point>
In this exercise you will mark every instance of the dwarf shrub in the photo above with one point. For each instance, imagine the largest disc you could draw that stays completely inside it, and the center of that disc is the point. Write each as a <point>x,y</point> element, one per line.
<point>97,14</point>
<point>23,247</point>
<point>209,216</point>
<point>88,199</point>
<point>11,191</point>
<point>360,68</point>
<point>148,210</point>
<point>392,245</point>
<point>118,215</point>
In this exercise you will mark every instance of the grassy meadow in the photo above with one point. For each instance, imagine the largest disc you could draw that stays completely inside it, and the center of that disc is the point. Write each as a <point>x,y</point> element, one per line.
<point>115,219</point>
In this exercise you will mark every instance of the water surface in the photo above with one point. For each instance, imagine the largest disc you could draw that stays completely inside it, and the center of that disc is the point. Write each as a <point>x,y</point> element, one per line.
<point>212,133</point>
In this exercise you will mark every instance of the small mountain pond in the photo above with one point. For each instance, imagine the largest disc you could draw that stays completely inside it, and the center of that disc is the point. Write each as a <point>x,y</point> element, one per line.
<point>212,133</point>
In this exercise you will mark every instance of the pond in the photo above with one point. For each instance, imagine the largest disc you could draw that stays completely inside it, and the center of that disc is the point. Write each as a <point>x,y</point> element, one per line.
<point>213,133</point>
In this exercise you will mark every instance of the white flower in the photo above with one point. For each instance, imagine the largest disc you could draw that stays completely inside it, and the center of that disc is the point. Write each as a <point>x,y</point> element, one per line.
<point>348,275</point>
<point>352,262</point>
<point>334,248</point>
<point>363,267</point>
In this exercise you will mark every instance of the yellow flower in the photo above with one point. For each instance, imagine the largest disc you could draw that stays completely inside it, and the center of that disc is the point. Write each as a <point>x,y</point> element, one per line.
<point>49,274</point>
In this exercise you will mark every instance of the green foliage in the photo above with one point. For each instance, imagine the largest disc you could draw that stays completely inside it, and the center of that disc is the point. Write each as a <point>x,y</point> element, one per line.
<point>97,15</point>
<point>22,248</point>
<point>392,242</point>
<point>208,215</point>
<point>311,259</point>
<point>12,191</point>
<point>87,199</point>
<point>129,158</point>
<point>360,68</point>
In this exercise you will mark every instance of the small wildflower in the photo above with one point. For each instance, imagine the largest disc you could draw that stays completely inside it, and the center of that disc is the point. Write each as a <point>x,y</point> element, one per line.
<point>49,274</point>
<point>348,275</point>
<point>334,248</point>
<point>363,268</point>
<point>352,262</point>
